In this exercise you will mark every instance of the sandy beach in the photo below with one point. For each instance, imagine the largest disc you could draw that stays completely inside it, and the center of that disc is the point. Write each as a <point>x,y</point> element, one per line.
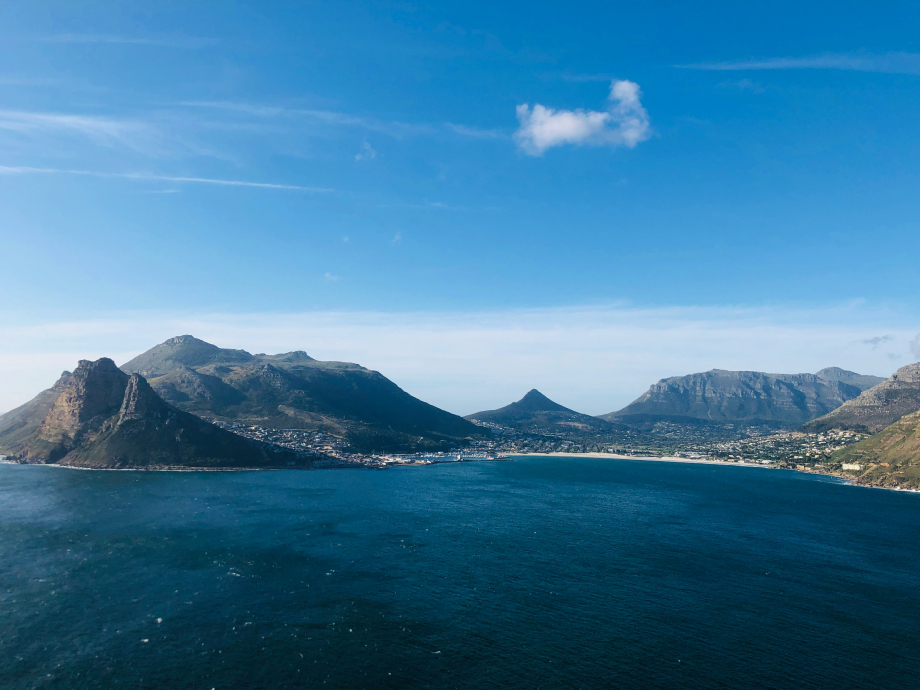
<point>616,456</point>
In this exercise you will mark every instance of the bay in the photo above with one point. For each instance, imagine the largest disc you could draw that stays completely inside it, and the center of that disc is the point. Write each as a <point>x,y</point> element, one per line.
<point>537,573</point>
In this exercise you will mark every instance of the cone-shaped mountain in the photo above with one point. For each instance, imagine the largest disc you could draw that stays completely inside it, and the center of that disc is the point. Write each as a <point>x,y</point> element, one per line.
<point>535,412</point>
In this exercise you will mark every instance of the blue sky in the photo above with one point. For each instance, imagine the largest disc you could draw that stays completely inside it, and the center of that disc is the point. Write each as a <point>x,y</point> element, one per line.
<point>164,161</point>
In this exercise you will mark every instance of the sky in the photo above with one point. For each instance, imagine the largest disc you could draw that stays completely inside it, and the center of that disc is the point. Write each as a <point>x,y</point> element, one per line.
<point>474,198</point>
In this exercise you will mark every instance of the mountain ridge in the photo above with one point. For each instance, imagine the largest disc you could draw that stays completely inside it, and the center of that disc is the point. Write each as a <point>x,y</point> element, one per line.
<point>875,408</point>
<point>720,396</point>
<point>293,390</point>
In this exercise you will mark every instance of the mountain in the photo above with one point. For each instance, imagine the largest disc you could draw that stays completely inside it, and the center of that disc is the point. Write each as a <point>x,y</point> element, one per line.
<point>102,417</point>
<point>782,400</point>
<point>19,425</point>
<point>536,412</point>
<point>889,458</point>
<point>861,381</point>
<point>878,407</point>
<point>293,390</point>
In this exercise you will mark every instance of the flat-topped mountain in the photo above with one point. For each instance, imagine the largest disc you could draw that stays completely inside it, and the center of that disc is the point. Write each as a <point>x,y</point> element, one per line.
<point>535,412</point>
<point>878,407</point>
<point>719,396</point>
<point>293,390</point>
<point>889,458</point>
<point>102,417</point>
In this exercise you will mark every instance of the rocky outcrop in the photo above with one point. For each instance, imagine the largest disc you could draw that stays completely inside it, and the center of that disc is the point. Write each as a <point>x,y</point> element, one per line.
<point>719,396</point>
<point>104,418</point>
<point>876,408</point>
<point>91,396</point>
<point>18,426</point>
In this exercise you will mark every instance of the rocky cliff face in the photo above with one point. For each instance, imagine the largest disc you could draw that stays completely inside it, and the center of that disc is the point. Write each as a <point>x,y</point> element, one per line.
<point>92,395</point>
<point>878,407</point>
<point>18,426</point>
<point>104,418</point>
<point>720,396</point>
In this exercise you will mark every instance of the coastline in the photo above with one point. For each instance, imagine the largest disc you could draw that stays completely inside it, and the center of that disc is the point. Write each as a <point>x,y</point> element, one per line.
<point>646,458</point>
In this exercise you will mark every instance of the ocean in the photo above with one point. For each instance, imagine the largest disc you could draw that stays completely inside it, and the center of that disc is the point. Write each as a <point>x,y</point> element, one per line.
<point>537,573</point>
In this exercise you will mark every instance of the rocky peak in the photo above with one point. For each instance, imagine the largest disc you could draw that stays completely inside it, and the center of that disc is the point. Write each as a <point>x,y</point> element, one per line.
<point>535,400</point>
<point>908,374</point>
<point>94,390</point>
<point>141,401</point>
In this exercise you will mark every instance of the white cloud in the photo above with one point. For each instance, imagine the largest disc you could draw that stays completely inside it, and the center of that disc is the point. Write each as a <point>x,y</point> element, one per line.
<point>397,238</point>
<point>331,276</point>
<point>624,123</point>
<point>366,153</point>
<point>592,359</point>
<point>892,63</point>
<point>915,346</point>
<point>23,170</point>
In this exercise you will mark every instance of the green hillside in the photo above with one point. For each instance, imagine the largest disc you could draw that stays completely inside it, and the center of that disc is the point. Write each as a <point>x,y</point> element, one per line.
<point>889,458</point>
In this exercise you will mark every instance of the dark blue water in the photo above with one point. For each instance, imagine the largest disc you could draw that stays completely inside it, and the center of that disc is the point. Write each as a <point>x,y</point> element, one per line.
<point>541,573</point>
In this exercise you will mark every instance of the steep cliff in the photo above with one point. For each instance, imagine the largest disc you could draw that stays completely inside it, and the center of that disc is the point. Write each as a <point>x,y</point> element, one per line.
<point>104,418</point>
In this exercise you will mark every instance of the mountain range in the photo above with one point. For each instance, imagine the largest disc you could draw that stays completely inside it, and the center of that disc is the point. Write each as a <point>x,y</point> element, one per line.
<point>537,413</point>
<point>102,417</point>
<point>877,407</point>
<point>751,397</point>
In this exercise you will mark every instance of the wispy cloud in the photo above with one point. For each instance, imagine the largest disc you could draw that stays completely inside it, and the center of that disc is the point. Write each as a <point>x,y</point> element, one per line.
<point>892,63</point>
<point>476,133</point>
<point>22,170</point>
<point>174,41</point>
<point>101,130</point>
<point>331,276</point>
<point>915,346</point>
<point>624,123</point>
<point>877,340</point>
<point>366,153</point>
<point>581,78</point>
<point>394,129</point>
<point>397,238</point>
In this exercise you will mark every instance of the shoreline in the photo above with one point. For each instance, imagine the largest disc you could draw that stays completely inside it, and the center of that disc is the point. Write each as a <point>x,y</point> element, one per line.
<point>852,481</point>
<point>645,458</point>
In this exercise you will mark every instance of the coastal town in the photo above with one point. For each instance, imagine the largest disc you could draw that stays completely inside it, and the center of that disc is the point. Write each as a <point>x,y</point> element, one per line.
<point>785,449</point>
